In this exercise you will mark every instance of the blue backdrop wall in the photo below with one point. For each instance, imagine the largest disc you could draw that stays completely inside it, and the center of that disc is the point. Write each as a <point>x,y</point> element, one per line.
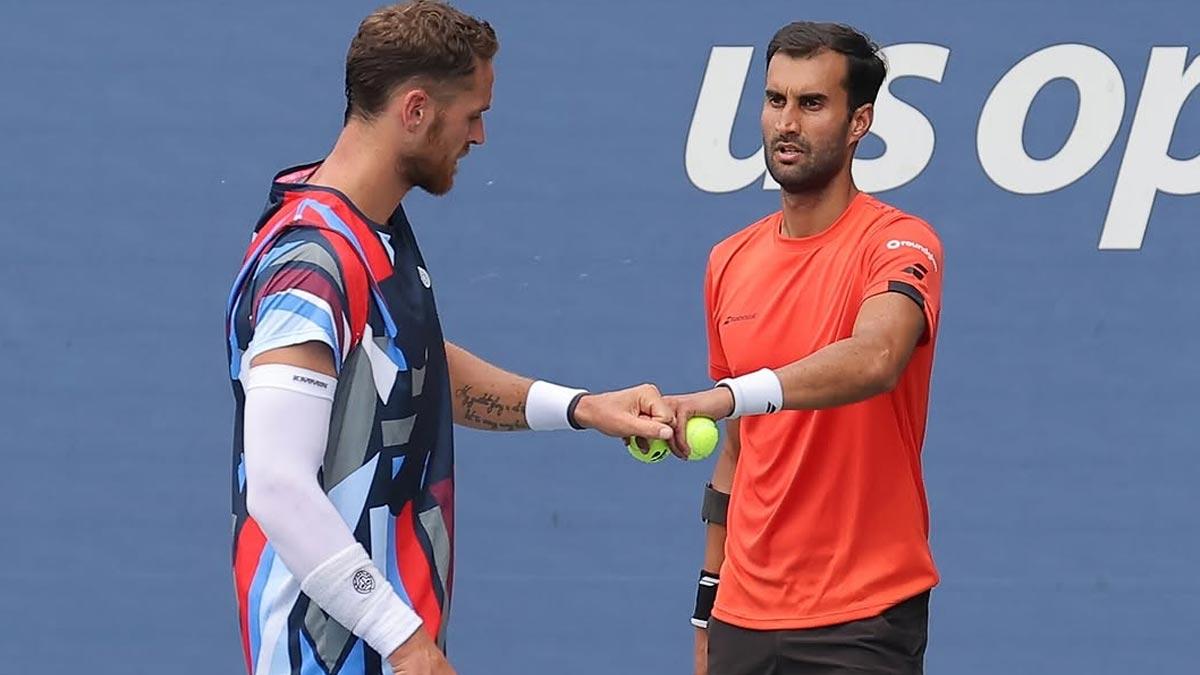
<point>1048,142</point>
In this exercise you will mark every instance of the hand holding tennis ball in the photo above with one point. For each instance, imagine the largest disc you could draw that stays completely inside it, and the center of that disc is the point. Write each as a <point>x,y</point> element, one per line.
<point>694,417</point>
<point>702,438</point>
<point>694,425</point>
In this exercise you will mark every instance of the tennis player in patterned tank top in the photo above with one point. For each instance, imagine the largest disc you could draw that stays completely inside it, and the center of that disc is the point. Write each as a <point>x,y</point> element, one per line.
<point>346,389</point>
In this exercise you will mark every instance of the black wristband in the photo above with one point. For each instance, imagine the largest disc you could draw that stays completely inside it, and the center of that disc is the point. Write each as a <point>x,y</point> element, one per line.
<point>571,411</point>
<point>706,597</point>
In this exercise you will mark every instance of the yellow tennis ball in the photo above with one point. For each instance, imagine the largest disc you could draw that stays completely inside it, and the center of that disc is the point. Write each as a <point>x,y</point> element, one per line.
<point>657,451</point>
<point>701,437</point>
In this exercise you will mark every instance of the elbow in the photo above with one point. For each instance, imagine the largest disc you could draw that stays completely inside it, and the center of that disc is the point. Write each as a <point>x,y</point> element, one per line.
<point>883,372</point>
<point>265,495</point>
<point>256,504</point>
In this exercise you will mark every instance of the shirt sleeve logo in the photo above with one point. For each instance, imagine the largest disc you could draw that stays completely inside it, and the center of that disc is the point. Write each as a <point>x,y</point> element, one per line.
<point>895,244</point>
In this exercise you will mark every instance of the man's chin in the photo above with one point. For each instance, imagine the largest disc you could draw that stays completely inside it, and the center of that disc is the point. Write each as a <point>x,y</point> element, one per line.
<point>438,187</point>
<point>789,178</point>
<point>437,190</point>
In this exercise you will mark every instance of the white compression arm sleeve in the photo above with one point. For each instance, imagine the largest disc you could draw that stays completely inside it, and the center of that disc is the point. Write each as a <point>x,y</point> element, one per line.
<point>286,425</point>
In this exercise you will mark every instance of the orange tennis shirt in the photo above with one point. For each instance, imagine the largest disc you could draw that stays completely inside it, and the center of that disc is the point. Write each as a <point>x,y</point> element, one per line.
<point>828,520</point>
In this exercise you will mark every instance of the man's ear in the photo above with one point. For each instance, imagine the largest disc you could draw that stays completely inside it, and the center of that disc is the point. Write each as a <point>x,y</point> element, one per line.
<point>860,122</point>
<point>413,108</point>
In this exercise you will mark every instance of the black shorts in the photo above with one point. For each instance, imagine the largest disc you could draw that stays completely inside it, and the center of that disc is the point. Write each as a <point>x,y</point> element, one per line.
<point>892,643</point>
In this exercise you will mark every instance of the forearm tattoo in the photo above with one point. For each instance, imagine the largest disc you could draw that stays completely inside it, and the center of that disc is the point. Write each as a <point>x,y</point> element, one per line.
<point>488,411</point>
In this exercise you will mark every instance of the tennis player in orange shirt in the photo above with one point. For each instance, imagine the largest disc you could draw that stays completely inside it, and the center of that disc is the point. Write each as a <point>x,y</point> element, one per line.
<point>822,320</point>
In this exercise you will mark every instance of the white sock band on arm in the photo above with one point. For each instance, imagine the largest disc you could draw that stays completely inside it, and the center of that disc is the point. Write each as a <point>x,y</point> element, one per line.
<point>290,378</point>
<point>548,406</point>
<point>353,591</point>
<point>757,393</point>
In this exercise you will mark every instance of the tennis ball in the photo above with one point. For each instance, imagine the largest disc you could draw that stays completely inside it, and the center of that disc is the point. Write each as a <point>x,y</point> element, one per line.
<point>657,452</point>
<point>701,437</point>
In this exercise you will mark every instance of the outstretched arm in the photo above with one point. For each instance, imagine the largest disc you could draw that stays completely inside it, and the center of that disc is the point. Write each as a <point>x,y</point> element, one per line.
<point>866,364</point>
<point>490,398</point>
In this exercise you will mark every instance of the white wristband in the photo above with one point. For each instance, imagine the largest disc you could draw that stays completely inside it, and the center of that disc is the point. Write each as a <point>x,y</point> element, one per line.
<point>548,406</point>
<point>757,393</point>
<point>353,591</point>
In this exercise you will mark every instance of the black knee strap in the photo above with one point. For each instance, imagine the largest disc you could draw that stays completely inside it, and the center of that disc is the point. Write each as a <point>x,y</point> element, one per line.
<point>715,506</point>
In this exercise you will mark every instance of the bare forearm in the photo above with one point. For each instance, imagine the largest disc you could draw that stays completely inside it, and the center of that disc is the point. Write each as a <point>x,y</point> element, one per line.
<point>490,398</point>
<point>485,396</point>
<point>714,547</point>
<point>844,372</point>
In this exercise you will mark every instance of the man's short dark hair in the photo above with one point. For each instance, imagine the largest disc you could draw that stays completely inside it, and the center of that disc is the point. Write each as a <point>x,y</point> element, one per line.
<point>866,70</point>
<point>415,39</point>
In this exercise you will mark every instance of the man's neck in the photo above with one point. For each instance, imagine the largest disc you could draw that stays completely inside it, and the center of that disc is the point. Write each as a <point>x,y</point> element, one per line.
<point>360,167</point>
<point>812,212</point>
